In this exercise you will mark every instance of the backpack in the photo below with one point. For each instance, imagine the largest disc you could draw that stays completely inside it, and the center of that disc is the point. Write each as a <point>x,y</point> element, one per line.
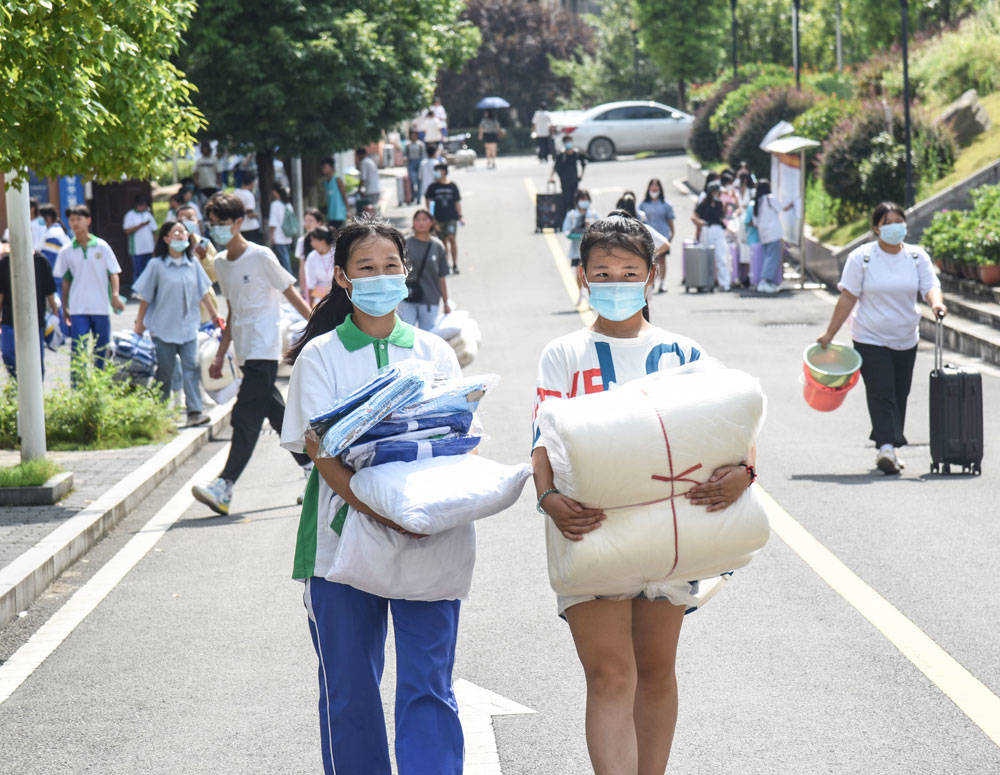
<point>290,225</point>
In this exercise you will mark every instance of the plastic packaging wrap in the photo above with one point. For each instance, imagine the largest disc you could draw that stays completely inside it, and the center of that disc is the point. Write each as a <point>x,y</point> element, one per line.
<point>440,493</point>
<point>634,451</point>
<point>459,395</point>
<point>376,453</point>
<point>219,390</point>
<point>451,422</point>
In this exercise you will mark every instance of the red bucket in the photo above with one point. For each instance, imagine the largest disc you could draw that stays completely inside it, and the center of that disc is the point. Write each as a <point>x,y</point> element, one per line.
<point>823,398</point>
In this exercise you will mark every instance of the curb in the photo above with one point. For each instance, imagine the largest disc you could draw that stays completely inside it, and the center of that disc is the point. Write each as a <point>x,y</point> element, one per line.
<point>52,491</point>
<point>27,576</point>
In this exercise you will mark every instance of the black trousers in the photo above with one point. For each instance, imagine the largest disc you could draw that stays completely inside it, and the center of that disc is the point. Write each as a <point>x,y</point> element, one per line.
<point>258,398</point>
<point>569,187</point>
<point>887,374</point>
<point>544,147</point>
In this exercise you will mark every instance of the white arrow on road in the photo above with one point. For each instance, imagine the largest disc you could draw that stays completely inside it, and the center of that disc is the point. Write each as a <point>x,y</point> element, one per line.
<point>476,708</point>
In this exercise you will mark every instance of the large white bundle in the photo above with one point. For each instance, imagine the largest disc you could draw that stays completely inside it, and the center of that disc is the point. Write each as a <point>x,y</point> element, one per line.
<point>636,545</point>
<point>439,493</point>
<point>634,451</point>
<point>651,438</point>
<point>231,371</point>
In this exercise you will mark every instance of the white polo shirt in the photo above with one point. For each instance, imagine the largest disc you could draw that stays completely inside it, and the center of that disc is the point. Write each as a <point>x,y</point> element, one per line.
<point>142,241</point>
<point>253,285</point>
<point>88,268</point>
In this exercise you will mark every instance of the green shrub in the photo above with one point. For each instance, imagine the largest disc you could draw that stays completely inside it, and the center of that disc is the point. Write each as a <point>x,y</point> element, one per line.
<point>833,84</point>
<point>779,104</point>
<point>968,235</point>
<point>737,102</point>
<point>101,411</point>
<point>704,142</point>
<point>883,171</point>
<point>821,119</point>
<point>848,145</point>
<point>934,151</point>
<point>34,473</point>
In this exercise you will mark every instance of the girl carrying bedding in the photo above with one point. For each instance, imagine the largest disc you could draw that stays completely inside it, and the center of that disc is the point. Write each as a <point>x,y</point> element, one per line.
<point>627,643</point>
<point>353,332</point>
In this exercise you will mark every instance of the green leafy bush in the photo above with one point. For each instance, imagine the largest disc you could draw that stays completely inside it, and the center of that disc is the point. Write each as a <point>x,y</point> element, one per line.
<point>967,235</point>
<point>704,142</point>
<point>737,102</point>
<point>831,83</point>
<point>883,171</point>
<point>821,119</point>
<point>779,104</point>
<point>102,411</point>
<point>34,473</point>
<point>848,145</point>
<point>934,151</point>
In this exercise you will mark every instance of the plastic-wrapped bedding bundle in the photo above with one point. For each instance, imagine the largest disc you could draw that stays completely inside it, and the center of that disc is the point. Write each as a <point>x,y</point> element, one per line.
<point>439,493</point>
<point>634,451</point>
<point>445,422</point>
<point>402,390</point>
<point>457,395</point>
<point>325,420</point>
<point>376,453</point>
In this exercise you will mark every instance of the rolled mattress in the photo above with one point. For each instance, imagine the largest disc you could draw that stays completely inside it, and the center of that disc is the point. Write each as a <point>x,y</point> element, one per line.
<point>634,451</point>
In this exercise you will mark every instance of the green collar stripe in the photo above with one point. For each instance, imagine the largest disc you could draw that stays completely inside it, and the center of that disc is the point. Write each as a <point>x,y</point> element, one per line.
<point>353,338</point>
<point>305,542</point>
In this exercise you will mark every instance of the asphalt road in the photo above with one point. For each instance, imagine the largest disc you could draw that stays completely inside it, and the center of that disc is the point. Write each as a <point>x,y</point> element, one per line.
<point>199,660</point>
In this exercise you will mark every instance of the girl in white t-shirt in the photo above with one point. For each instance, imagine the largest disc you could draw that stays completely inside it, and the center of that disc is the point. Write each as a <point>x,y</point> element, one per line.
<point>319,264</point>
<point>352,333</point>
<point>280,242</point>
<point>310,220</point>
<point>627,643</point>
<point>880,284</point>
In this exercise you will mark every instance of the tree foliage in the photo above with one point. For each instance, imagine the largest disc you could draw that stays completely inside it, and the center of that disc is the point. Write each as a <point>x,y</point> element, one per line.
<point>685,38</point>
<point>89,88</point>
<point>618,69</point>
<point>311,77</point>
<point>519,38</point>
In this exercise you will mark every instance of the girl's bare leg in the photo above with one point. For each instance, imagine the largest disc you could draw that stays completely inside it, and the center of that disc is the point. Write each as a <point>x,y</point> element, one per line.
<point>656,627</point>
<point>602,631</point>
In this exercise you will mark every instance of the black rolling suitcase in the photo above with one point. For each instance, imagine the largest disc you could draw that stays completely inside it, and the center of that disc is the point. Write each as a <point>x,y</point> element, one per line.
<point>956,414</point>
<point>549,209</point>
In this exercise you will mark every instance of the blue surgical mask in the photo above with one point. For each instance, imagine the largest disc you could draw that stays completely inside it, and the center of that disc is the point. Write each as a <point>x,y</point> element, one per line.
<point>437,174</point>
<point>892,233</point>
<point>617,301</point>
<point>221,235</point>
<point>179,245</point>
<point>583,204</point>
<point>379,295</point>
<point>191,226</point>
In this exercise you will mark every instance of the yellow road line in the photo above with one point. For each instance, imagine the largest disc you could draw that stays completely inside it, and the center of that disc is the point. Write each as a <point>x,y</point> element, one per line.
<point>972,697</point>
<point>566,272</point>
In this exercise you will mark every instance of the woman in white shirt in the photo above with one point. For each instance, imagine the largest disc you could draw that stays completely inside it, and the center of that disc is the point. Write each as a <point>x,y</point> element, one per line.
<point>880,283</point>
<point>311,218</point>
<point>319,264</point>
<point>767,218</point>
<point>280,242</point>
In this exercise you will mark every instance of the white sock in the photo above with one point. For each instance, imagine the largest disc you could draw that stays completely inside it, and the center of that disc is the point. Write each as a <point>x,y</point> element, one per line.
<point>886,449</point>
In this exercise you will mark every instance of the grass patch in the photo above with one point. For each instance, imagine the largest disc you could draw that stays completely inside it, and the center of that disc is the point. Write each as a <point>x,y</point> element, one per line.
<point>102,410</point>
<point>31,474</point>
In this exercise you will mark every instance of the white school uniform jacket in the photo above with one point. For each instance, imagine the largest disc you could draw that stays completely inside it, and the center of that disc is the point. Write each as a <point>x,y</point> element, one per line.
<point>332,366</point>
<point>587,362</point>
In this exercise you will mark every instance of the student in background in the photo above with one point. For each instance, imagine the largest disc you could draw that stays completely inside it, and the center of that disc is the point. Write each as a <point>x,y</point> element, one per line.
<point>38,226</point>
<point>139,226</point>
<point>444,201</point>
<point>89,271</point>
<point>45,291</point>
<point>319,264</point>
<point>206,171</point>
<point>415,153</point>
<point>54,239</point>
<point>660,216</point>
<point>371,185</point>
<point>569,165</point>
<point>428,266</point>
<point>311,218</point>
<point>336,194</point>
<point>280,205</point>
<point>251,220</point>
<point>708,218</point>
<point>254,284</point>
<point>574,225</point>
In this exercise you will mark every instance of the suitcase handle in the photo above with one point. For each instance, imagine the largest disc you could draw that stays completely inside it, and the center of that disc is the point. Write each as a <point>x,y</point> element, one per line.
<point>938,341</point>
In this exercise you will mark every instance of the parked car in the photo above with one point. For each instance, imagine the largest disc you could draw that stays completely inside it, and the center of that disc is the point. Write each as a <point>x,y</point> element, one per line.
<point>625,127</point>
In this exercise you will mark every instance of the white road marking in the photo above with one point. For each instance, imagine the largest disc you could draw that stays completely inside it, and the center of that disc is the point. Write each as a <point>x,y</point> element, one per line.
<point>971,696</point>
<point>476,708</point>
<point>50,635</point>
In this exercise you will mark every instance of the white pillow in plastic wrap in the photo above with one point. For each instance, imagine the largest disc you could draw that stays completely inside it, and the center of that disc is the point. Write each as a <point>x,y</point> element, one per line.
<point>438,494</point>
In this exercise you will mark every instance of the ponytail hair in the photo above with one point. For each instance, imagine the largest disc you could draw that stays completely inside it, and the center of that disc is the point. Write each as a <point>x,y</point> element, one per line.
<point>334,308</point>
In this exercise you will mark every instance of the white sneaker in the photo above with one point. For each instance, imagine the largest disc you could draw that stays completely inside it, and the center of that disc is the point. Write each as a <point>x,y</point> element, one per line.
<point>217,495</point>
<point>887,462</point>
<point>766,287</point>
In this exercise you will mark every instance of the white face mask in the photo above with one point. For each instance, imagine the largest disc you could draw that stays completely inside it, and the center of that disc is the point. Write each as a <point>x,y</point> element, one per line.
<point>655,194</point>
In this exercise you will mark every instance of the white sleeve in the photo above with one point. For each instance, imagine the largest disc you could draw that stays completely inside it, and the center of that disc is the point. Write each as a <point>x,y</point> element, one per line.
<point>553,382</point>
<point>276,215</point>
<point>925,272</point>
<point>852,278</point>
<point>311,280</point>
<point>658,239</point>
<point>275,273</point>
<point>131,219</point>
<point>311,389</point>
<point>111,259</point>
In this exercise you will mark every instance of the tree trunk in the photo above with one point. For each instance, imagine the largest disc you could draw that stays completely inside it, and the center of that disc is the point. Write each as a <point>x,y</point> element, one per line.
<point>265,183</point>
<point>682,94</point>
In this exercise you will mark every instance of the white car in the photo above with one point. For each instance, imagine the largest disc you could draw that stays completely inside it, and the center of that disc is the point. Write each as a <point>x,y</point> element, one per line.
<point>624,127</point>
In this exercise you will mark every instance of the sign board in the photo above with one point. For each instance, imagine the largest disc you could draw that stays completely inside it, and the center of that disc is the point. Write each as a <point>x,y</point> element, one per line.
<point>71,192</point>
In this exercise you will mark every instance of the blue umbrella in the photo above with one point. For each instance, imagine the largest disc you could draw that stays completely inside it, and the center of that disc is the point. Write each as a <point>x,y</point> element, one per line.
<point>492,102</point>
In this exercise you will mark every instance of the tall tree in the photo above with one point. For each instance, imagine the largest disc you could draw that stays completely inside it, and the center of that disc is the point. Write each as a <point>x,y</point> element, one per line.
<point>313,77</point>
<point>519,38</point>
<point>686,38</point>
<point>89,88</point>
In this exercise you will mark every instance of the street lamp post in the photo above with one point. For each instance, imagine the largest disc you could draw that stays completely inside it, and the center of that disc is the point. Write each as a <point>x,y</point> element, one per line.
<point>796,54</point>
<point>732,12</point>
<point>908,193</point>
